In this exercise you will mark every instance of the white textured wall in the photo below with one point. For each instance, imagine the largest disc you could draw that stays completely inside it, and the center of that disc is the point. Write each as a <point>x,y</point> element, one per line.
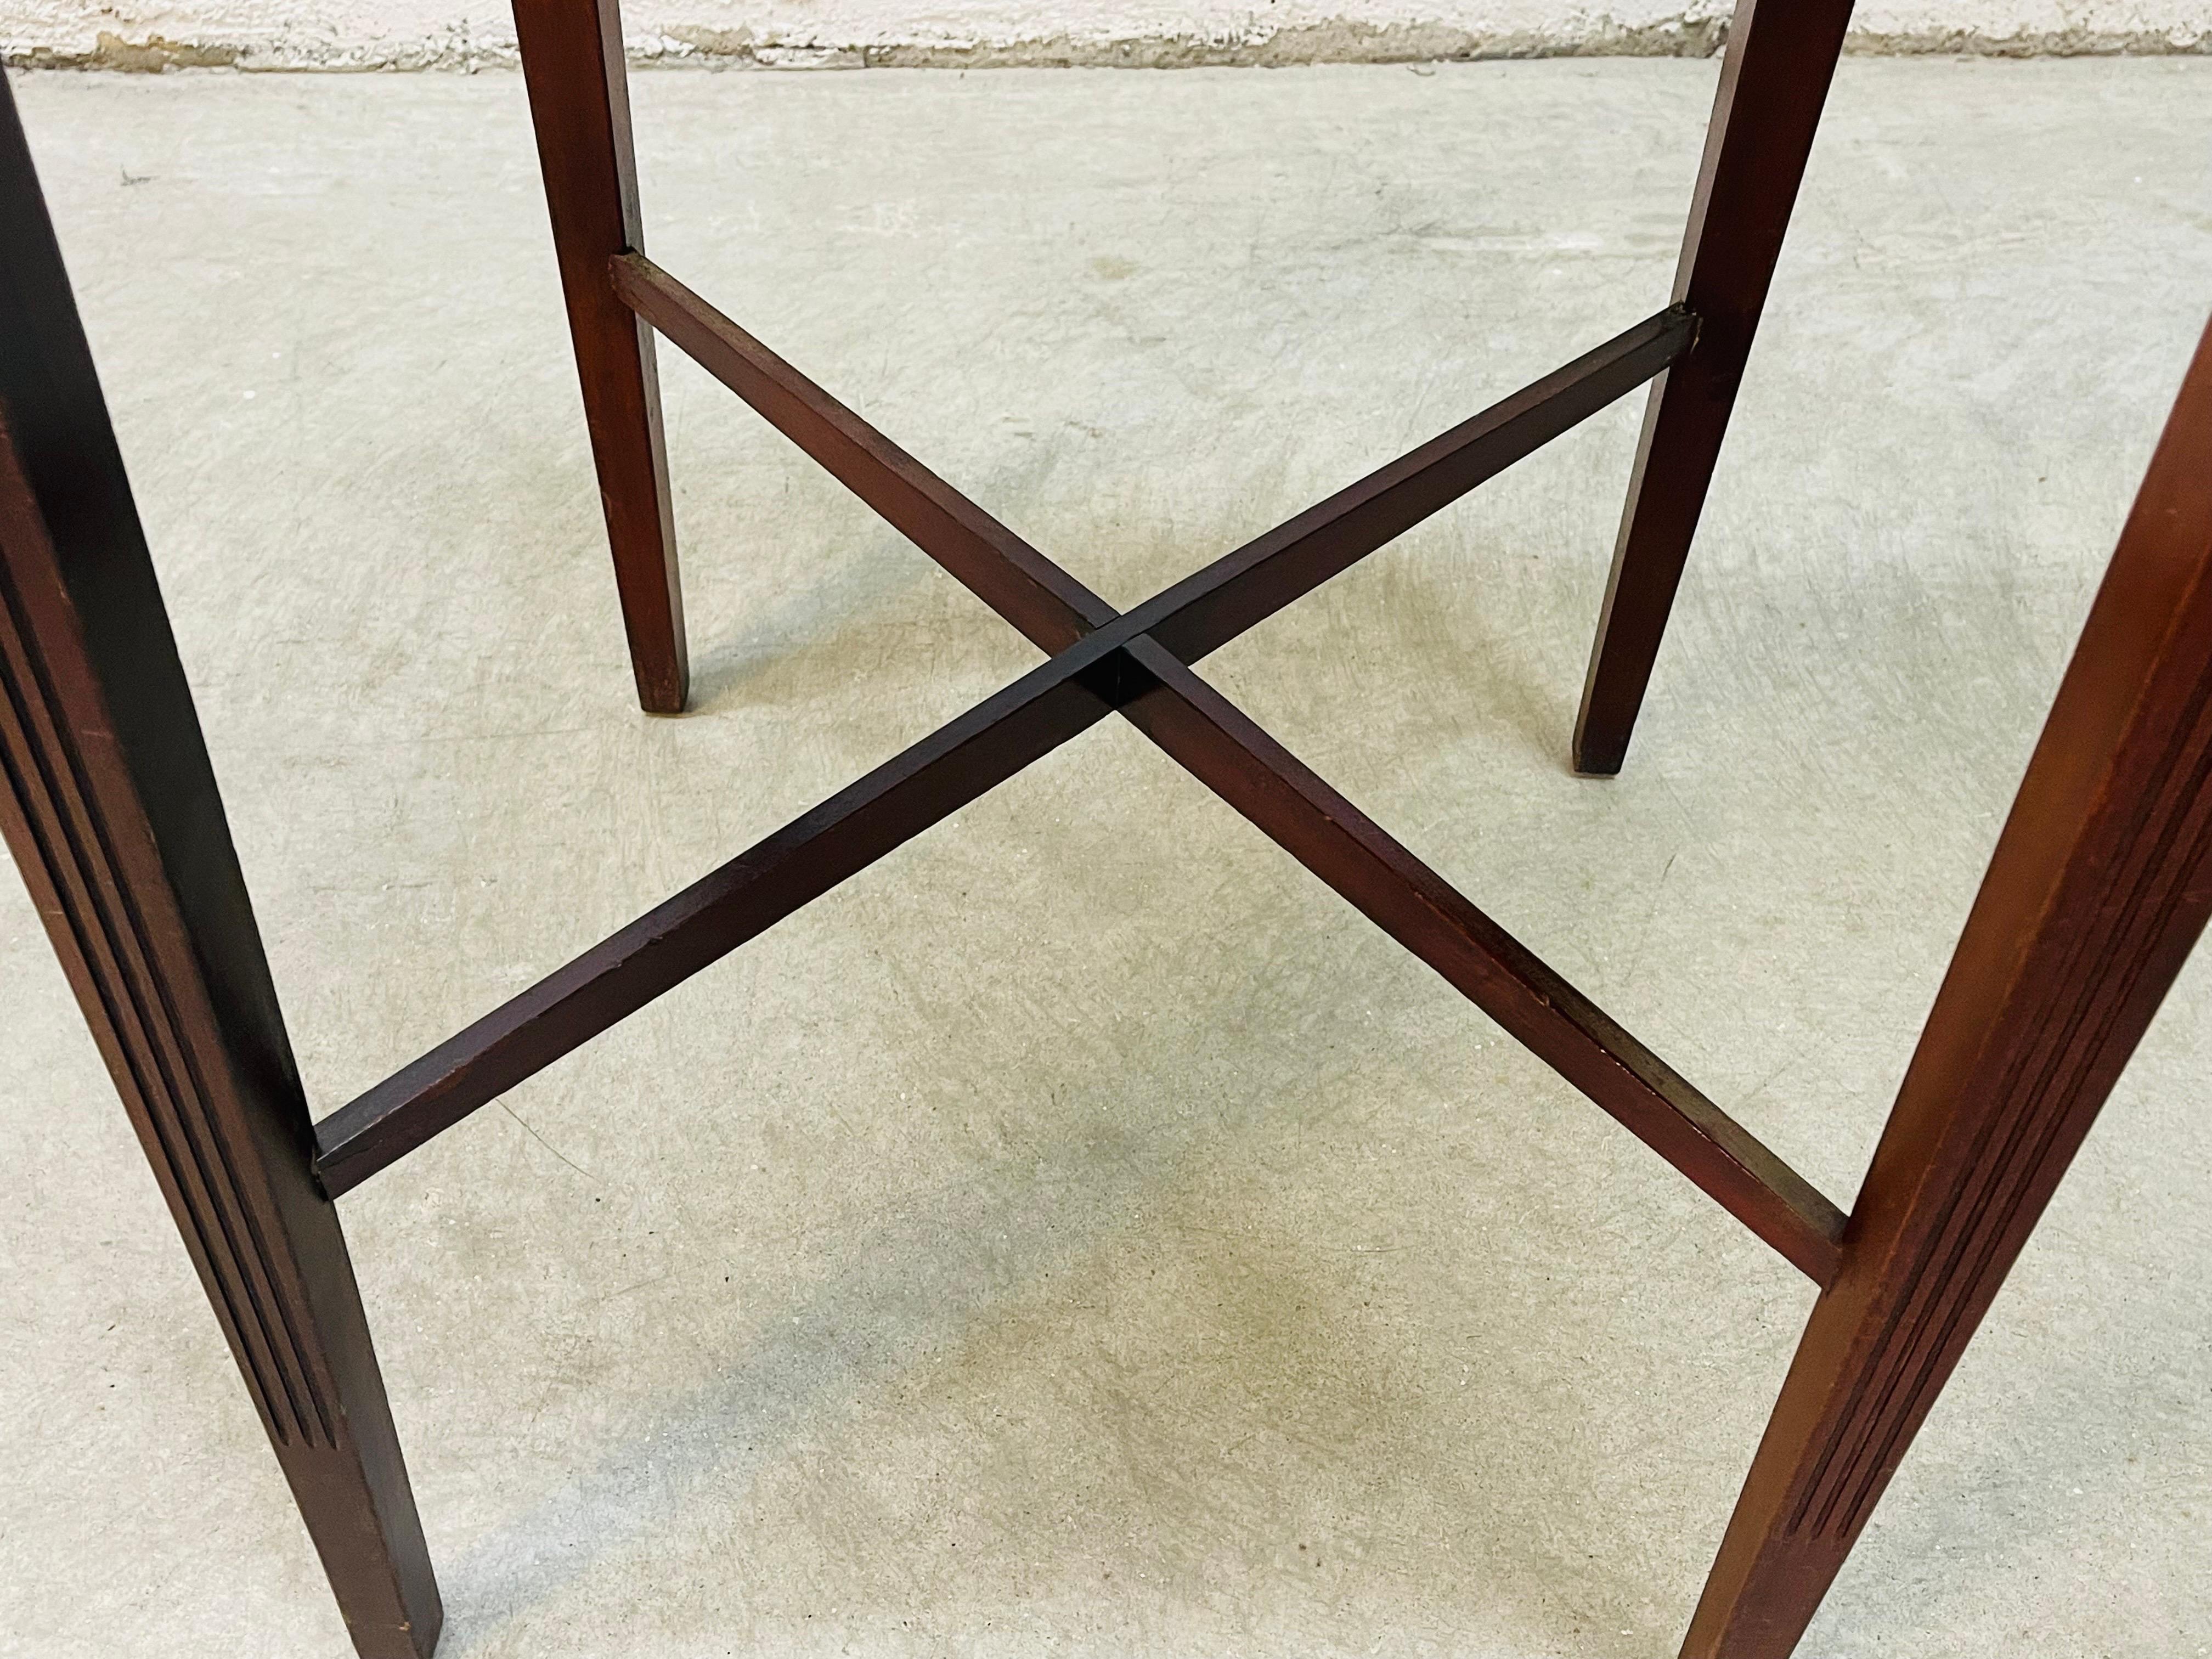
<point>464,34</point>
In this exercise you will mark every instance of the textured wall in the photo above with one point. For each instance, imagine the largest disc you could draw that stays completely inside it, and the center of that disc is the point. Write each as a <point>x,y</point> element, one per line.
<point>463,34</point>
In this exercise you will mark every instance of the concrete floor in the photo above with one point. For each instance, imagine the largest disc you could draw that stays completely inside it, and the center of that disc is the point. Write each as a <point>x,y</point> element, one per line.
<point>1082,1233</point>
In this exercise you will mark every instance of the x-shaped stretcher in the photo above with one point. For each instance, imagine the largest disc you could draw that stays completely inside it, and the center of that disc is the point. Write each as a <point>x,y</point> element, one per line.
<point>2099,886</point>
<point>1102,662</point>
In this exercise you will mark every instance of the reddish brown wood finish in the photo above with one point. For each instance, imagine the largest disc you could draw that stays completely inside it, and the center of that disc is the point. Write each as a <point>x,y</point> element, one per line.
<point>1226,750</point>
<point>2098,890</point>
<point>112,814</point>
<point>1211,606</point>
<point>720,911</point>
<point>1043,601</point>
<point>1781,57</point>
<point>572,61</point>
<point>1186,717</point>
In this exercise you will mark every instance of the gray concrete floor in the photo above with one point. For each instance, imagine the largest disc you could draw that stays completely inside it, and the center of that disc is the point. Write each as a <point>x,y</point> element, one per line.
<point>1082,1233</point>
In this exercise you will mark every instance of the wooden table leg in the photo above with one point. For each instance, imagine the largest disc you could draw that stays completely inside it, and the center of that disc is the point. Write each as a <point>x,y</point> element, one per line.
<point>1781,57</point>
<point>112,812</point>
<point>2099,887</point>
<point>572,62</point>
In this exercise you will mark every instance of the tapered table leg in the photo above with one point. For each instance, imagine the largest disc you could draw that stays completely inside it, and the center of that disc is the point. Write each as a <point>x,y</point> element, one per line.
<point>1781,57</point>
<point>572,62</point>
<point>2099,885</point>
<point>112,812</point>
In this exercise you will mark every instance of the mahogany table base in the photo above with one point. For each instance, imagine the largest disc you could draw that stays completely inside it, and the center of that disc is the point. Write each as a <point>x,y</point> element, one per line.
<point>2097,890</point>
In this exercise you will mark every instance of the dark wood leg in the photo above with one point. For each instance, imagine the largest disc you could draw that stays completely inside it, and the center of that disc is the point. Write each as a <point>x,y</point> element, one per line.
<point>1781,57</point>
<point>112,812</point>
<point>2099,887</point>
<point>572,62</point>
